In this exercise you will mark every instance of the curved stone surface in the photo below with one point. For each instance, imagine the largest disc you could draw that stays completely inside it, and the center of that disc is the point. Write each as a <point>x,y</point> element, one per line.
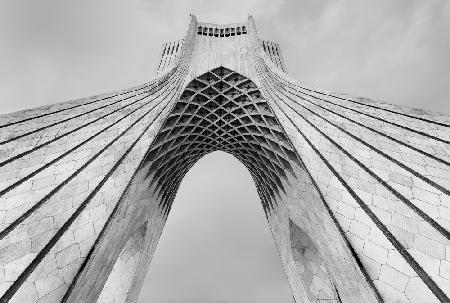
<point>355,191</point>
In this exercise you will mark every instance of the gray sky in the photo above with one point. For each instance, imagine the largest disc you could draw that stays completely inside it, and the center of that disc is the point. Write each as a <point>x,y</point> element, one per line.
<point>216,246</point>
<point>55,50</point>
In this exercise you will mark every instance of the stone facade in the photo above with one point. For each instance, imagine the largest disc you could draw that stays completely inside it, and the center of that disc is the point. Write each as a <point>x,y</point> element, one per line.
<point>355,191</point>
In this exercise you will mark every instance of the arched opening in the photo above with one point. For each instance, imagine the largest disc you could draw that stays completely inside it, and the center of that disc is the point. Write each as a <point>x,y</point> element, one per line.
<point>222,110</point>
<point>311,266</point>
<point>216,245</point>
<point>123,272</point>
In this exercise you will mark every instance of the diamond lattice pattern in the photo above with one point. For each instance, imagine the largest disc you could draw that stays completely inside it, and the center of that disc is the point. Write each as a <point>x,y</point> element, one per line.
<point>222,110</point>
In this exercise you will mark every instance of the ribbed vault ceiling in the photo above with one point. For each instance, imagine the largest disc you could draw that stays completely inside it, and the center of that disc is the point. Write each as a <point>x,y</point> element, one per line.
<point>222,110</point>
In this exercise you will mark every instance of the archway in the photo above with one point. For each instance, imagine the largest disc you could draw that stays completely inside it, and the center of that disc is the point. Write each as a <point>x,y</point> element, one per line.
<point>216,244</point>
<point>75,183</point>
<point>223,110</point>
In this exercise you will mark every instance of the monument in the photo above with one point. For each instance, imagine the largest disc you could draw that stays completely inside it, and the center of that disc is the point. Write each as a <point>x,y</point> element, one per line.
<point>355,191</point>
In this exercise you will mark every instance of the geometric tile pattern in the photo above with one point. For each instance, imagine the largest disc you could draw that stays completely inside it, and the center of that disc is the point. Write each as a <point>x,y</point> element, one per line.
<point>222,110</point>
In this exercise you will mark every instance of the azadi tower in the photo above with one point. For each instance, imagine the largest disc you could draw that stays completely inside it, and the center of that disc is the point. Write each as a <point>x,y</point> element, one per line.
<point>355,191</point>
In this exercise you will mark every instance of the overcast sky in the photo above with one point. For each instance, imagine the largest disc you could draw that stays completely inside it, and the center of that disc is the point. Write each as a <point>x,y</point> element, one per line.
<point>216,246</point>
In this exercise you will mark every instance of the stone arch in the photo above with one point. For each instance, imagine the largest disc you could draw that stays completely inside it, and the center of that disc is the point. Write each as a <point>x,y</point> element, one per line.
<point>222,110</point>
<point>219,110</point>
<point>118,284</point>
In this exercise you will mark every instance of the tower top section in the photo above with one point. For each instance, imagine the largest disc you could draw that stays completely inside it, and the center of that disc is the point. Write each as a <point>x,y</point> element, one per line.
<point>211,45</point>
